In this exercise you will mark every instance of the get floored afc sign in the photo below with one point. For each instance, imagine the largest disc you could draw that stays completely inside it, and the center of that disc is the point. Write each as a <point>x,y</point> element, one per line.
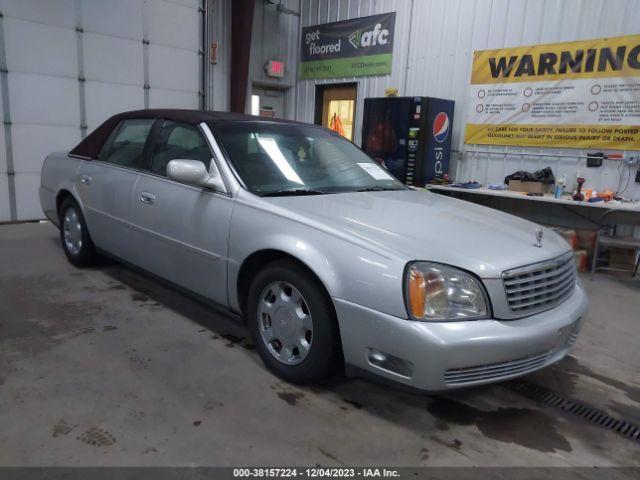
<point>583,94</point>
<point>351,48</point>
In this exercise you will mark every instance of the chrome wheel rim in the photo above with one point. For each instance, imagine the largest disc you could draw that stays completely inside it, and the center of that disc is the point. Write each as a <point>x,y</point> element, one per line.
<point>72,231</point>
<point>285,322</point>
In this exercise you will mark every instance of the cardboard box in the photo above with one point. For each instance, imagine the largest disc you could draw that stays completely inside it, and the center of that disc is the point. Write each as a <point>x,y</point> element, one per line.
<point>530,187</point>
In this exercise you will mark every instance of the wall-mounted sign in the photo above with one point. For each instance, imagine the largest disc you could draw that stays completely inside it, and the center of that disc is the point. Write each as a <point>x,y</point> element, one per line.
<point>582,94</point>
<point>350,48</point>
<point>274,69</point>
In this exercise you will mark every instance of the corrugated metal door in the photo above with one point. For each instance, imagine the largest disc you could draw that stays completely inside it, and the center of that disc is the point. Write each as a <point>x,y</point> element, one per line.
<point>72,63</point>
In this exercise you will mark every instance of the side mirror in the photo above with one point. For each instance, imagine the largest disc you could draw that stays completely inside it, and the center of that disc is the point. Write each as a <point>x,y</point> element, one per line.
<point>194,172</point>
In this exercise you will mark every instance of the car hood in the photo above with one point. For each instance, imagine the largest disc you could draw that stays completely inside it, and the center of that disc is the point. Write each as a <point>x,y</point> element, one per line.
<point>420,225</point>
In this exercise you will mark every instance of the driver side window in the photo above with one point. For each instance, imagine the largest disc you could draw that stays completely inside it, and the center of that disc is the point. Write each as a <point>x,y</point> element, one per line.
<point>178,140</point>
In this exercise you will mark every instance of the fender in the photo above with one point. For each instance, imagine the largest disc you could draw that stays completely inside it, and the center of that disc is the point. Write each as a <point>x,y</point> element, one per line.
<point>59,172</point>
<point>348,270</point>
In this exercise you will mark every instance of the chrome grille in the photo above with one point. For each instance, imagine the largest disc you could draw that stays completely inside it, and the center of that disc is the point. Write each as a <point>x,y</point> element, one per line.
<point>540,286</point>
<point>495,371</point>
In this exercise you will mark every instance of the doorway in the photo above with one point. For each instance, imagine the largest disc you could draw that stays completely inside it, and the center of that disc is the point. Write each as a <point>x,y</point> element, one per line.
<point>336,107</point>
<point>267,102</point>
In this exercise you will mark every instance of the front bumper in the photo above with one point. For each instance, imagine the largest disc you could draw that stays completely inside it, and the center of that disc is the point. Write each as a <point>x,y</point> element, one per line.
<point>445,355</point>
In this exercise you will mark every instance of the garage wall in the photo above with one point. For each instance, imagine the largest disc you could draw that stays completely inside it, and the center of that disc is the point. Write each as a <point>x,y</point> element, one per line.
<point>275,37</point>
<point>70,64</point>
<point>218,73</point>
<point>434,44</point>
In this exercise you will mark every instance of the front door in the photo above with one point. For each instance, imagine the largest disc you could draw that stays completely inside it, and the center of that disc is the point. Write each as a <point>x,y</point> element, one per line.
<point>105,186</point>
<point>267,102</point>
<point>186,227</point>
<point>336,108</point>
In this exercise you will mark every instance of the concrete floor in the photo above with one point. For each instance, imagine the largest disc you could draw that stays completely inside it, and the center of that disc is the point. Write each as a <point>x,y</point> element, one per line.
<point>104,366</point>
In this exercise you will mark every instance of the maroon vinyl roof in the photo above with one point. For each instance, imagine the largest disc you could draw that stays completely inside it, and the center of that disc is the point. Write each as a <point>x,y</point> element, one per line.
<point>92,144</point>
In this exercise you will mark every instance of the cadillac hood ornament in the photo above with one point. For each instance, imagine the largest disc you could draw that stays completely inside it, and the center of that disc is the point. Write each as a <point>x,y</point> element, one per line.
<point>539,233</point>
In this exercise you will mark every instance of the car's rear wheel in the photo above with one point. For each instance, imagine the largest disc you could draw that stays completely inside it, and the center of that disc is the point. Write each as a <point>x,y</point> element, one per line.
<point>74,235</point>
<point>293,323</point>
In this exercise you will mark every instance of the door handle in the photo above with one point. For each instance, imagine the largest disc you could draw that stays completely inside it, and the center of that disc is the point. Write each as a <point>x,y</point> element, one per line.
<point>147,198</point>
<point>86,179</point>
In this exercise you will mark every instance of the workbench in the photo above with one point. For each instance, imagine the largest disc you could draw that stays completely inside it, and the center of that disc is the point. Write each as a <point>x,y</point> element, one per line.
<point>546,209</point>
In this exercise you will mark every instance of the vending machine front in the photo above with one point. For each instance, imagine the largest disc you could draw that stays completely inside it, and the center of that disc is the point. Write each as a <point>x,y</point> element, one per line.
<point>437,149</point>
<point>385,130</point>
<point>410,136</point>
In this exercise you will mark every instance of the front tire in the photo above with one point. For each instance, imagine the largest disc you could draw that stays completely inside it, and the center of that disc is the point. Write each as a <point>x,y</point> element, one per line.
<point>74,234</point>
<point>292,322</point>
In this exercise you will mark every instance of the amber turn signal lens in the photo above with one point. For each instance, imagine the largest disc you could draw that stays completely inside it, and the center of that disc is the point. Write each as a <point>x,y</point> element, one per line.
<point>417,287</point>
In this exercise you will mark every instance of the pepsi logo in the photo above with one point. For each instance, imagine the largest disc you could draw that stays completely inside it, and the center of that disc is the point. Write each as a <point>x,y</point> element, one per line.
<point>441,127</point>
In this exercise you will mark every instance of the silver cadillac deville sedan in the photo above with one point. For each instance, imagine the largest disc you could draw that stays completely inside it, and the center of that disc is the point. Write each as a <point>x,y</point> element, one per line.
<point>328,259</point>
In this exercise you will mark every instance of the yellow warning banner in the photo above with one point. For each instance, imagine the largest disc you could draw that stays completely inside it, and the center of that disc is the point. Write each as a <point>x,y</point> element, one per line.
<point>582,94</point>
<point>578,136</point>
<point>600,58</point>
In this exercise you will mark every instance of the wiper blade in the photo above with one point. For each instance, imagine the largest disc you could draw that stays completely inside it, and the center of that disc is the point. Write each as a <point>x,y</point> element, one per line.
<point>293,192</point>
<point>375,189</point>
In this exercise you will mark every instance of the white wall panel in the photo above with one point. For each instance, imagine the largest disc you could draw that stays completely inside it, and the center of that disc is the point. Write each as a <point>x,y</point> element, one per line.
<point>168,24</point>
<point>532,18</point>
<point>60,13</point>
<point>106,99</point>
<point>118,18</point>
<point>160,98</point>
<point>39,99</point>
<point>42,49</point>
<point>112,59</point>
<point>27,196</point>
<point>186,3</point>
<point>3,156</point>
<point>173,68</point>
<point>45,77</point>
<point>434,44</point>
<point>5,214</point>
<point>32,143</point>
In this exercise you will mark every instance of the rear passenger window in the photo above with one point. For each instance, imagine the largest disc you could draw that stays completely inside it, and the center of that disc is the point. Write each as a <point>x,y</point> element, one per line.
<point>178,141</point>
<point>125,145</point>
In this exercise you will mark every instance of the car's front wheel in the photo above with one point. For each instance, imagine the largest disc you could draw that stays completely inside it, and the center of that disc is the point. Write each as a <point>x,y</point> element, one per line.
<point>74,235</point>
<point>293,323</point>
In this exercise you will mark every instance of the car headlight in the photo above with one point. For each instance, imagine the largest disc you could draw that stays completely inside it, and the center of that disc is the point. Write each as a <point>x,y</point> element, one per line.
<point>438,292</point>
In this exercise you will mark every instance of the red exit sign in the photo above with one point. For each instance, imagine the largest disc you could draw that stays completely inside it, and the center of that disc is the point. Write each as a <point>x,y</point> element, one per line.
<point>275,68</point>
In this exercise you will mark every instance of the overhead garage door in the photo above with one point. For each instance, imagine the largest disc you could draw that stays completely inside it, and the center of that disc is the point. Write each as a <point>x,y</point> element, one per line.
<point>69,64</point>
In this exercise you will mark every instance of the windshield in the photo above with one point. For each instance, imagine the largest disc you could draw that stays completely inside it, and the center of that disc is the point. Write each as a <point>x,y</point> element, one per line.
<point>281,159</point>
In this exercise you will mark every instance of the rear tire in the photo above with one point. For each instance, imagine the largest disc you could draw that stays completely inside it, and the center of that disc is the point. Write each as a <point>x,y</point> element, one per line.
<point>293,323</point>
<point>74,234</point>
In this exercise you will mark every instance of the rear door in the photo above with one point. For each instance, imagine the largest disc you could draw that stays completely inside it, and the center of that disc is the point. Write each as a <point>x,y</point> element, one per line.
<point>186,228</point>
<point>105,186</point>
